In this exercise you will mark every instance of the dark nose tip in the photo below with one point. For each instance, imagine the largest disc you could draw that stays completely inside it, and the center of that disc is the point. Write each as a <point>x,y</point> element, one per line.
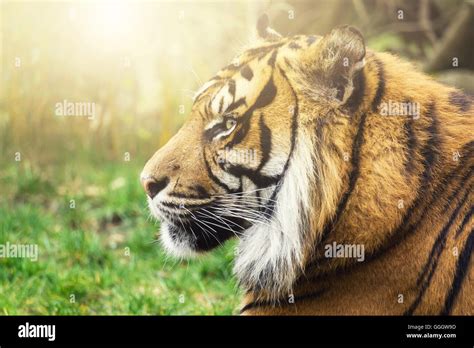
<point>153,186</point>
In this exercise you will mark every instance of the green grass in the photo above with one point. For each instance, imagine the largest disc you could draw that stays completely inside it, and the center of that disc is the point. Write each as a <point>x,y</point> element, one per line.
<point>99,257</point>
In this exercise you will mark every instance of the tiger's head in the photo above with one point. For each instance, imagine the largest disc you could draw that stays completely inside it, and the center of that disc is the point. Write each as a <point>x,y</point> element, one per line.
<point>246,163</point>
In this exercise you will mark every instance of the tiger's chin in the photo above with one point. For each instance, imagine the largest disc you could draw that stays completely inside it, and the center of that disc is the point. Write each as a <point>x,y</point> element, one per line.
<point>187,239</point>
<point>176,242</point>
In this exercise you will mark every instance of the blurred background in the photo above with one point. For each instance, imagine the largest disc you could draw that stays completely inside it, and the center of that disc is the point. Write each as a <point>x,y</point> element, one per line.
<point>69,184</point>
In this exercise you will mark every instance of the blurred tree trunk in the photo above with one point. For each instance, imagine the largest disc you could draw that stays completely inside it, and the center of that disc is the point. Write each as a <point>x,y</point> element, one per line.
<point>456,43</point>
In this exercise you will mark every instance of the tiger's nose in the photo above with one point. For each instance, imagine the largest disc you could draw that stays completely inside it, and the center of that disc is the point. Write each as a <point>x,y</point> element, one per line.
<point>153,186</point>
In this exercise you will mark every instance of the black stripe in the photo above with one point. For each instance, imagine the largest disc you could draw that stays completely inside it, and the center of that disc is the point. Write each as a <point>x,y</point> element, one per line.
<point>221,104</point>
<point>464,222</point>
<point>358,93</point>
<point>272,59</point>
<point>232,67</point>
<point>259,199</point>
<point>310,40</point>
<point>262,51</point>
<point>411,145</point>
<point>431,151</point>
<point>353,175</point>
<point>187,204</point>
<point>200,193</point>
<point>282,302</point>
<point>200,190</point>
<point>379,93</point>
<point>207,108</point>
<point>236,104</point>
<point>215,179</point>
<point>294,46</point>
<point>265,142</point>
<point>461,100</point>
<point>259,180</point>
<point>462,269</point>
<point>246,72</point>
<point>232,89</point>
<point>215,130</point>
<point>426,275</point>
<point>455,193</point>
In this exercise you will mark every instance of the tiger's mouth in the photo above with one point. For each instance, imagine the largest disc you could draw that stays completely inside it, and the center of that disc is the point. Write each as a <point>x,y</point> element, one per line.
<point>187,230</point>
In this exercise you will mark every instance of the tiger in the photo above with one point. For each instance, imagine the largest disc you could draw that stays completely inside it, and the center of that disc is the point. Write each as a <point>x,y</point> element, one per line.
<point>345,175</point>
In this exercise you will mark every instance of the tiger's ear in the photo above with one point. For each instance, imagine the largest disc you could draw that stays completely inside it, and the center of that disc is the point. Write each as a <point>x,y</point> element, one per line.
<point>337,62</point>
<point>264,31</point>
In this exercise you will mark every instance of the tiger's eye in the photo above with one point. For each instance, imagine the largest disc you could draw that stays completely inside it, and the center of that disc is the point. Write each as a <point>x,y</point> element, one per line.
<point>230,123</point>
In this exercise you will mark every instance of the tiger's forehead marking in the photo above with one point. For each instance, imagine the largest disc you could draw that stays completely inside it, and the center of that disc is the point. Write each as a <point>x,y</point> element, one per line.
<point>239,64</point>
<point>232,84</point>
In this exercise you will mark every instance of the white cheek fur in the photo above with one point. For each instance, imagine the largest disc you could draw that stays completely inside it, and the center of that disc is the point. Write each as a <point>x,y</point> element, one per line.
<point>270,255</point>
